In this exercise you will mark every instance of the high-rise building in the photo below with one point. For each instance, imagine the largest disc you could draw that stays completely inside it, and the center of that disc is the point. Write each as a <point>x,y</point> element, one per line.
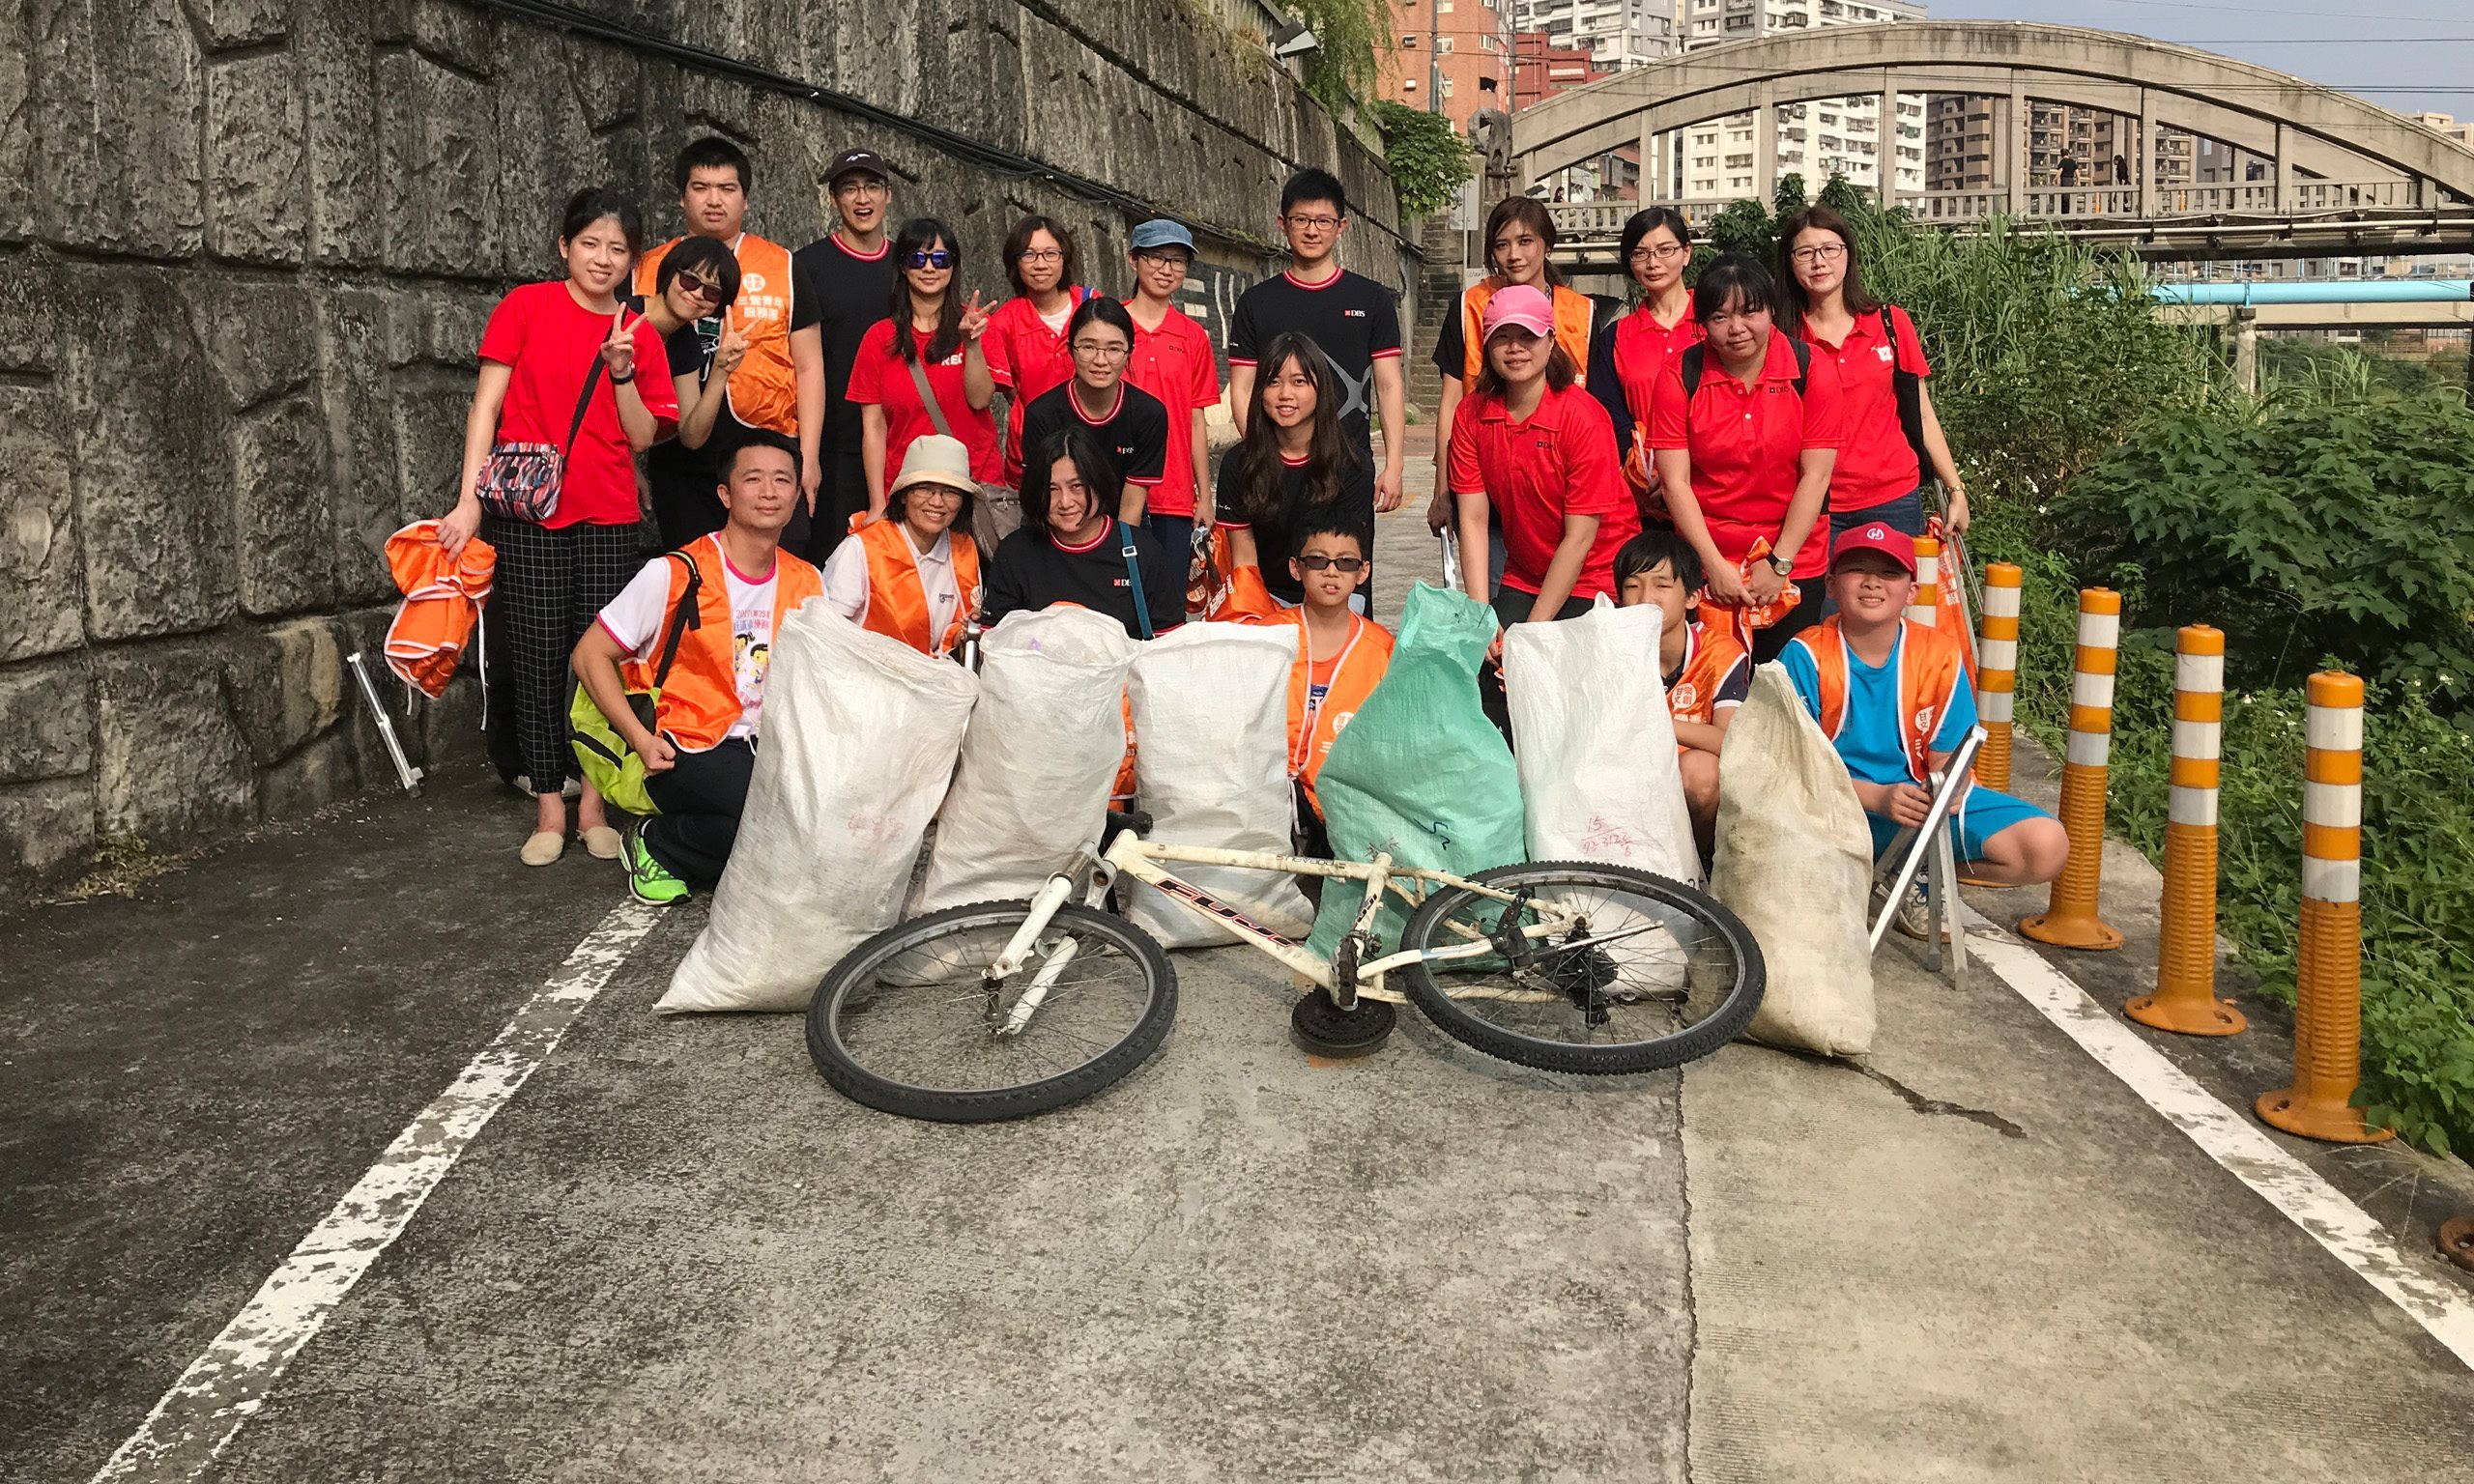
<point>1617,34</point>
<point>2066,146</point>
<point>1441,49</point>
<point>1816,139</point>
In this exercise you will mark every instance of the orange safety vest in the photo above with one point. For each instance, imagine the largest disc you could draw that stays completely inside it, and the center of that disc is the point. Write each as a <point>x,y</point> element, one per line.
<point>1312,726</point>
<point>1574,313</point>
<point>898,596</point>
<point>763,393</point>
<point>700,701</point>
<point>1711,650</point>
<point>1930,669</point>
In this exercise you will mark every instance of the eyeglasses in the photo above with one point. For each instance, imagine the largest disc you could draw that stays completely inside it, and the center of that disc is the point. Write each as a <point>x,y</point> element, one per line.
<point>1101,350</point>
<point>1163,257</point>
<point>933,494</point>
<point>1042,255</point>
<point>939,258</point>
<point>1347,566</point>
<point>696,286</point>
<point>1313,224</point>
<point>863,189</point>
<point>1660,254</point>
<point>1829,252</point>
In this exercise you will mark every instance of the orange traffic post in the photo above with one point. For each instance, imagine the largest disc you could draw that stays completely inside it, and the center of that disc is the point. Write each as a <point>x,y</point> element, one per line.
<point>1997,662</point>
<point>1924,604</point>
<point>2185,998</point>
<point>2327,990</point>
<point>2069,919</point>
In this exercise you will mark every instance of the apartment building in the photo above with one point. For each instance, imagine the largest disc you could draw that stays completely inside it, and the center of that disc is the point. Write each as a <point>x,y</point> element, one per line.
<point>1440,50</point>
<point>2066,145</point>
<point>1617,34</point>
<point>1816,139</point>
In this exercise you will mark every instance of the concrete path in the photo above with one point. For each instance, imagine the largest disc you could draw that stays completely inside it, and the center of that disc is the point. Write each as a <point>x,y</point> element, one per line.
<point>676,1255</point>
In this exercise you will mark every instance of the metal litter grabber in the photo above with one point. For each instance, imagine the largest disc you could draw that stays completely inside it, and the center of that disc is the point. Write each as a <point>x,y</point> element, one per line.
<point>405,773</point>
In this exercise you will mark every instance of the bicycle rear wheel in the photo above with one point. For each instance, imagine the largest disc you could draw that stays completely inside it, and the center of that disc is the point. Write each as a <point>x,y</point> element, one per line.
<point>1674,977</point>
<point>910,1024</point>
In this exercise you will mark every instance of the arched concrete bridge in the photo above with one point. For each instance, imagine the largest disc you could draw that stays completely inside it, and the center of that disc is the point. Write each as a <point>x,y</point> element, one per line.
<point>2344,172</point>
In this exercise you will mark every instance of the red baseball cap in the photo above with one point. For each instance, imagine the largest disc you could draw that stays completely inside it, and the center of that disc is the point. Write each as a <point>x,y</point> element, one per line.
<point>1874,536</point>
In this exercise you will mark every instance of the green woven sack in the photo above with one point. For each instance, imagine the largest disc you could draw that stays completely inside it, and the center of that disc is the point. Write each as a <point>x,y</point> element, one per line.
<point>604,758</point>
<point>1419,772</point>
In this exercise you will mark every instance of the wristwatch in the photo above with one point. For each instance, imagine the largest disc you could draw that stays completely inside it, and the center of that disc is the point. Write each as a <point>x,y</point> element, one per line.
<point>1780,565</point>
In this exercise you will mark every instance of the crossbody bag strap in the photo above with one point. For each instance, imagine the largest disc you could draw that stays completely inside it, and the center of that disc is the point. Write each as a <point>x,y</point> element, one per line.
<point>687,615</point>
<point>584,404</point>
<point>1134,578</point>
<point>928,394</point>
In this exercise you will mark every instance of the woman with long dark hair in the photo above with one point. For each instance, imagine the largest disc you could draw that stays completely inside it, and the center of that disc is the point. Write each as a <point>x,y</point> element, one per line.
<point>1891,431</point>
<point>1073,549</point>
<point>1627,355</point>
<point>933,337</point>
<point>557,357</point>
<point>689,308</point>
<point>1745,430</point>
<point>1293,460</point>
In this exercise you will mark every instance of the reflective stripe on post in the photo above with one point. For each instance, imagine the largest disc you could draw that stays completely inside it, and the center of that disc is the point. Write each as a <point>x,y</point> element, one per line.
<point>2185,998</point>
<point>2069,919</point>
<point>2327,1002</point>
<point>1924,604</point>
<point>1996,661</point>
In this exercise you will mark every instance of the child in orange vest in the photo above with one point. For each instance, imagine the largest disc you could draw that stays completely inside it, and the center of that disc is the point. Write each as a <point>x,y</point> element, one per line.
<point>700,752</point>
<point>1707,670</point>
<point>1893,696</point>
<point>1341,655</point>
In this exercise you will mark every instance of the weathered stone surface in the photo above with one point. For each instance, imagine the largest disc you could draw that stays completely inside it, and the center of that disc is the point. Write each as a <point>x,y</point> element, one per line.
<point>231,23</point>
<point>256,210</point>
<point>47,829</point>
<point>257,338</point>
<point>339,86</point>
<point>461,35</point>
<point>284,534</point>
<point>309,780</point>
<point>153,472</point>
<point>171,762</point>
<point>41,578</point>
<point>428,409</point>
<point>546,152</point>
<point>119,141</point>
<point>365,508</point>
<point>450,727</point>
<point>18,142</point>
<point>440,169</point>
<point>441,328</point>
<point>286,684</point>
<point>46,721</point>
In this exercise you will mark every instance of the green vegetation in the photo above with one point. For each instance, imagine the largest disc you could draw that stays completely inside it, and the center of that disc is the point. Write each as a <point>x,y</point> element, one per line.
<point>1342,70</point>
<point>1428,160</point>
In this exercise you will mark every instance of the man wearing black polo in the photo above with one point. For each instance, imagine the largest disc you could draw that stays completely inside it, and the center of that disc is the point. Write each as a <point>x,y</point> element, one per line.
<point>843,284</point>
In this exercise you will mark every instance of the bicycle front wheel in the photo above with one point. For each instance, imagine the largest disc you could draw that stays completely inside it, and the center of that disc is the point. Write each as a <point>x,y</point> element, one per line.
<point>1651,973</point>
<point>909,1022</point>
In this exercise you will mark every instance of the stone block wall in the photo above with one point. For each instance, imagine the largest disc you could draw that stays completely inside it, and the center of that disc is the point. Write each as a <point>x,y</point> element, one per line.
<point>247,247</point>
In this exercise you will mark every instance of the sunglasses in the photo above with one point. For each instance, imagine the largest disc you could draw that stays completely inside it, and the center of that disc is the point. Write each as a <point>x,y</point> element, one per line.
<point>697,285</point>
<point>1348,566</point>
<point>939,258</point>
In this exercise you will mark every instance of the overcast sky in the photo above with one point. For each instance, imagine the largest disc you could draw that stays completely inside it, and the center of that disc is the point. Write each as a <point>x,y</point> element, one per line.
<point>2402,54</point>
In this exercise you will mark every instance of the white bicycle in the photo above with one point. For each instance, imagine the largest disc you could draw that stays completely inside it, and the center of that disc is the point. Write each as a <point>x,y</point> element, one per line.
<point>1004,1009</point>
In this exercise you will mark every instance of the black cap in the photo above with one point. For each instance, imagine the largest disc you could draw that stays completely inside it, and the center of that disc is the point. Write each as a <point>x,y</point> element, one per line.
<point>855,162</point>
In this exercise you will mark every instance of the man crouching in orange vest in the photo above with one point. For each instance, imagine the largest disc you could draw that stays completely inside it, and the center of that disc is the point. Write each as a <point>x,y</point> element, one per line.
<point>699,753</point>
<point>914,575</point>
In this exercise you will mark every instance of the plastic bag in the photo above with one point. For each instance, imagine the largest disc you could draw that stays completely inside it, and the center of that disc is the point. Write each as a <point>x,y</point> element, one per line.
<point>1595,745</point>
<point>859,740</point>
<point>1420,773</point>
<point>1796,863</point>
<point>1210,768</point>
<point>1038,760</point>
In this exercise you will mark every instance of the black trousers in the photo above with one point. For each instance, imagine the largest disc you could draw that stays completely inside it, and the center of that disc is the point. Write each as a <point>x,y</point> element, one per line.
<point>701,797</point>
<point>549,588</point>
<point>1807,611</point>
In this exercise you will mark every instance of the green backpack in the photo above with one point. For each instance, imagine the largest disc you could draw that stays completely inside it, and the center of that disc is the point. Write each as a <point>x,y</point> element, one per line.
<point>608,763</point>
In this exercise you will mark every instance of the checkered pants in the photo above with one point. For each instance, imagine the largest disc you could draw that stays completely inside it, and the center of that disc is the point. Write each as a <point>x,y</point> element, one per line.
<point>550,585</point>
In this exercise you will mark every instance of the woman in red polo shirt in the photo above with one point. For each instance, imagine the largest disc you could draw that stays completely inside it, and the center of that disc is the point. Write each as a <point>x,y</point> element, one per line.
<point>1874,347</point>
<point>1531,449</point>
<point>945,343</point>
<point>1745,433</point>
<point>1026,350</point>
<point>1626,356</point>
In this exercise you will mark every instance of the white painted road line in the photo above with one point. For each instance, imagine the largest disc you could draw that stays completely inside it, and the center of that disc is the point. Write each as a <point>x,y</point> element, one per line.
<point>223,1387</point>
<point>2230,1138</point>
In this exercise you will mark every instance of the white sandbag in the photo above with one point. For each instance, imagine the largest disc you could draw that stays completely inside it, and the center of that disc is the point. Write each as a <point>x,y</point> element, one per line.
<point>1211,767</point>
<point>1595,745</point>
<point>1796,862</point>
<point>859,738</point>
<point>1043,749</point>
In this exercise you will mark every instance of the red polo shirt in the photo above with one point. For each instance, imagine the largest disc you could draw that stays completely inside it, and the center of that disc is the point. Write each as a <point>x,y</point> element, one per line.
<point>1175,365</point>
<point>1561,462</point>
<point>1876,463</point>
<point>1026,359</point>
<point>1643,347</point>
<point>1746,446</point>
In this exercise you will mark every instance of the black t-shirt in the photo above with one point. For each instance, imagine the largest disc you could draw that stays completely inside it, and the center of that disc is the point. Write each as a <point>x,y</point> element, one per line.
<point>841,293</point>
<point>1135,436</point>
<point>1352,319</point>
<point>1273,543</point>
<point>1031,572</point>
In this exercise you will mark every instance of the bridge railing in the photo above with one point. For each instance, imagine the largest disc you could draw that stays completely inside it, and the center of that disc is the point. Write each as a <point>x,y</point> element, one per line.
<point>1603,220</point>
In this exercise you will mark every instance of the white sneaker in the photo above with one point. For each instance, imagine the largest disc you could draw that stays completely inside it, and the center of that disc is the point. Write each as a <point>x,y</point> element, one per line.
<point>1914,914</point>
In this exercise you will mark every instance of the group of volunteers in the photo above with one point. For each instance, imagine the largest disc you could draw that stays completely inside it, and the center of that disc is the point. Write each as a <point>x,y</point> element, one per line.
<point>823,423</point>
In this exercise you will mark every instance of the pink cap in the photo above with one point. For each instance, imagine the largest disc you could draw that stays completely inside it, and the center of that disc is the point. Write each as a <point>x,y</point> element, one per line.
<point>1874,536</point>
<point>1521,305</point>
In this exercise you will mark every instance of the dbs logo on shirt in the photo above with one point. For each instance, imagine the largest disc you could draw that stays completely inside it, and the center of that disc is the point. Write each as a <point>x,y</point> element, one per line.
<point>1352,314</point>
